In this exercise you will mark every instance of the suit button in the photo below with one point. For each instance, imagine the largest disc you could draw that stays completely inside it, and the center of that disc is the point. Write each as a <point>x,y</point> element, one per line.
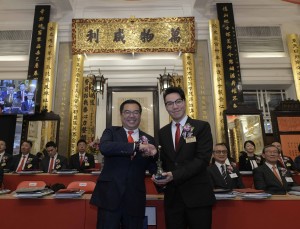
<point>176,164</point>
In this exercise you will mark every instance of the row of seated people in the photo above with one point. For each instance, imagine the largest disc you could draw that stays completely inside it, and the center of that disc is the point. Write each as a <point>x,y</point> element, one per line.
<point>269,175</point>
<point>249,161</point>
<point>80,161</point>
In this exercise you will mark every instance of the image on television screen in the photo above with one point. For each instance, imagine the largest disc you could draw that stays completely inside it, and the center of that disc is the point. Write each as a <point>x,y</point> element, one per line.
<point>17,96</point>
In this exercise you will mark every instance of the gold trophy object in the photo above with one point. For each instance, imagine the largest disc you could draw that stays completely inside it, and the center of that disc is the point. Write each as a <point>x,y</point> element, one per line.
<point>159,172</point>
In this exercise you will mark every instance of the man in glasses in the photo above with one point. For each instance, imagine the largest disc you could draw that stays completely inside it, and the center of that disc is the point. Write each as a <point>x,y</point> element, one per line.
<point>120,193</point>
<point>186,148</point>
<point>224,176</point>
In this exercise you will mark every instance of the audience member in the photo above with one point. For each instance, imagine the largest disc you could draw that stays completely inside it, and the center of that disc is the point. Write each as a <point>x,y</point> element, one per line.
<point>54,161</point>
<point>224,176</point>
<point>248,160</point>
<point>297,159</point>
<point>82,160</point>
<point>25,160</point>
<point>120,193</point>
<point>5,158</point>
<point>269,177</point>
<point>284,161</point>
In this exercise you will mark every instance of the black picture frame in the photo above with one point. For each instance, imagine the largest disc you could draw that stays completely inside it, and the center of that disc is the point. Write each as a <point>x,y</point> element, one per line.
<point>236,134</point>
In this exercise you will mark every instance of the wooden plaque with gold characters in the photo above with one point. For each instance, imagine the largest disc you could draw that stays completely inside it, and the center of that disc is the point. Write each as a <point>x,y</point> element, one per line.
<point>131,35</point>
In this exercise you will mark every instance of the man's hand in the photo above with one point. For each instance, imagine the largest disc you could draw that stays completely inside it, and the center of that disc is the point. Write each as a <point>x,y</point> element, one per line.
<point>148,150</point>
<point>163,182</point>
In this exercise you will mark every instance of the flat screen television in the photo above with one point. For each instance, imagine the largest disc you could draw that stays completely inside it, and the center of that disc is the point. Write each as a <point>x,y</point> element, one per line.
<point>17,97</point>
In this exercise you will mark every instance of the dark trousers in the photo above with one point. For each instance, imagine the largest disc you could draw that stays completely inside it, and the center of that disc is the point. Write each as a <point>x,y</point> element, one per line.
<point>118,219</point>
<point>178,216</point>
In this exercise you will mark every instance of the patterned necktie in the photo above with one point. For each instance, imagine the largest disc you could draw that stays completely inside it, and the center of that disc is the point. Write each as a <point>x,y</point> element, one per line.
<point>276,174</point>
<point>177,136</point>
<point>51,165</point>
<point>224,174</point>
<point>129,137</point>
<point>20,168</point>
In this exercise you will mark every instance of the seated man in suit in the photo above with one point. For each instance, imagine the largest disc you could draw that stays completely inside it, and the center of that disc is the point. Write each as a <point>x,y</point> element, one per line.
<point>82,160</point>
<point>28,105</point>
<point>222,175</point>
<point>25,160</point>
<point>54,161</point>
<point>1,176</point>
<point>270,177</point>
<point>284,161</point>
<point>5,158</point>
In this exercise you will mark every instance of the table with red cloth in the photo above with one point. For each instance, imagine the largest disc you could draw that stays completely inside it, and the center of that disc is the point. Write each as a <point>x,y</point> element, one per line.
<point>11,180</point>
<point>49,213</point>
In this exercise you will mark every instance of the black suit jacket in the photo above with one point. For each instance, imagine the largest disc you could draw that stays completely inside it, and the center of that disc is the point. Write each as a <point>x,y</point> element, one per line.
<point>245,164</point>
<point>30,164</point>
<point>6,161</point>
<point>188,165</point>
<point>219,182</point>
<point>122,177</point>
<point>265,179</point>
<point>60,163</point>
<point>88,163</point>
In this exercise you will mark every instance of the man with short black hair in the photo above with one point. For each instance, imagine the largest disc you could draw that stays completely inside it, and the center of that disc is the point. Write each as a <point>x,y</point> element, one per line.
<point>54,161</point>
<point>284,161</point>
<point>5,158</point>
<point>186,148</point>
<point>82,160</point>
<point>25,160</point>
<point>120,193</point>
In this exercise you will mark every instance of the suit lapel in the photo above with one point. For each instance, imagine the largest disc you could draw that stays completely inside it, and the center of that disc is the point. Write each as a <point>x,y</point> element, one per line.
<point>271,174</point>
<point>219,175</point>
<point>168,136</point>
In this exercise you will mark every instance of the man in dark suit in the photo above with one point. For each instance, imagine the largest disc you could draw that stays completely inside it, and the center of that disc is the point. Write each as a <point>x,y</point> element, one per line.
<point>82,160</point>
<point>21,94</point>
<point>120,192</point>
<point>28,105</point>
<point>5,158</point>
<point>54,161</point>
<point>10,98</point>
<point>223,175</point>
<point>25,160</point>
<point>284,161</point>
<point>186,148</point>
<point>269,176</point>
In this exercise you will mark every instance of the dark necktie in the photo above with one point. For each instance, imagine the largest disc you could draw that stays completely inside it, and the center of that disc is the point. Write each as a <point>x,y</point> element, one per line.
<point>51,165</point>
<point>224,174</point>
<point>129,137</point>
<point>177,136</point>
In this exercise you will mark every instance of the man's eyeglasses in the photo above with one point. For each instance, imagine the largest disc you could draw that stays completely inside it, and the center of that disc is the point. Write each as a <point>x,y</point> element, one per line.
<point>128,113</point>
<point>220,151</point>
<point>178,102</point>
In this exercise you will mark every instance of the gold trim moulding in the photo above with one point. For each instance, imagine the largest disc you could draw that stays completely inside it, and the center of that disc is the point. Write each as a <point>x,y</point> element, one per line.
<point>130,35</point>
